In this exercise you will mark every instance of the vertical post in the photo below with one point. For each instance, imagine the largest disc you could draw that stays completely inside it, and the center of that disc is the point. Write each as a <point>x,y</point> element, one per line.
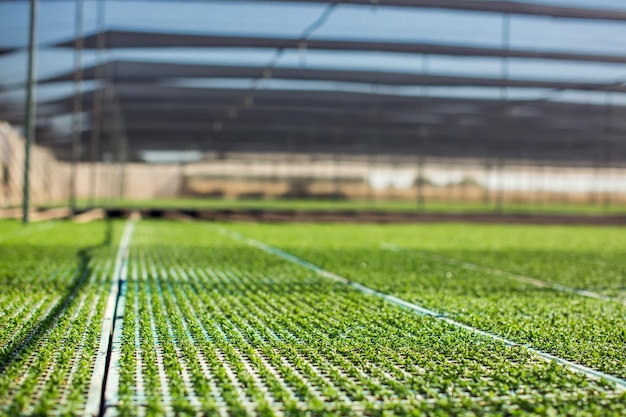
<point>312,157</point>
<point>371,148</point>
<point>123,160</point>
<point>29,127</point>
<point>337,138</point>
<point>106,181</point>
<point>77,109</point>
<point>291,158</point>
<point>609,147</point>
<point>6,182</point>
<point>423,137</point>
<point>120,143</point>
<point>371,151</point>
<point>377,117</point>
<point>488,183</point>
<point>286,178</point>
<point>540,185</point>
<point>96,119</point>
<point>117,168</point>
<point>504,68</point>
<point>420,180</point>
<point>108,119</point>
<point>117,187</point>
<point>181,179</point>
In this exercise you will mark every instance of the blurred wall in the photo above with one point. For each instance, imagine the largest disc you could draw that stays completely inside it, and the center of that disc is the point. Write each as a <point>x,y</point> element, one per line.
<point>49,178</point>
<point>300,176</point>
<point>133,181</point>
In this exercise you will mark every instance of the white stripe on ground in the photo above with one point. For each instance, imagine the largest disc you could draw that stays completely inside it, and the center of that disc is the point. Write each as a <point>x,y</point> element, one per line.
<point>100,371</point>
<point>589,372</point>
<point>498,272</point>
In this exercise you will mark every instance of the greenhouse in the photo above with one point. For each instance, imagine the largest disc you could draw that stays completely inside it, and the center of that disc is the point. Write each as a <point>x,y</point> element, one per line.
<point>312,208</point>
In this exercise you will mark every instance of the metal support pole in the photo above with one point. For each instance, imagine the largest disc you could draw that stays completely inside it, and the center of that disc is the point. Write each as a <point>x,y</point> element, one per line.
<point>290,160</point>
<point>77,109</point>
<point>504,68</point>
<point>107,180</point>
<point>96,119</point>
<point>124,159</point>
<point>608,132</point>
<point>540,187</point>
<point>312,156</point>
<point>29,128</point>
<point>421,180</point>
<point>117,169</point>
<point>377,117</point>
<point>109,110</point>
<point>120,143</point>
<point>590,110</point>
<point>371,147</point>
<point>423,138</point>
<point>371,152</point>
<point>337,138</point>
<point>120,153</point>
<point>487,194</point>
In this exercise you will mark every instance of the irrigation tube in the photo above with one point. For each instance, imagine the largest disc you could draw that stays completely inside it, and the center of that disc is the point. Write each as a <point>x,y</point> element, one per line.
<point>498,272</point>
<point>591,373</point>
<point>106,367</point>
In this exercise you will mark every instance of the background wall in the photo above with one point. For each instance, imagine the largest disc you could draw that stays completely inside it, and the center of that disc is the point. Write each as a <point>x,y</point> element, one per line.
<point>49,178</point>
<point>299,176</point>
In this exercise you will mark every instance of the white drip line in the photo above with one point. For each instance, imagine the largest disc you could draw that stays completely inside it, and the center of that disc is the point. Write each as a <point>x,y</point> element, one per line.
<point>498,272</point>
<point>106,365</point>
<point>589,372</point>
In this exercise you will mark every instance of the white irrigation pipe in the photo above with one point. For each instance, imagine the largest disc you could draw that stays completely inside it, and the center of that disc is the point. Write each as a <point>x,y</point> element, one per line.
<point>498,272</point>
<point>110,338</point>
<point>589,372</point>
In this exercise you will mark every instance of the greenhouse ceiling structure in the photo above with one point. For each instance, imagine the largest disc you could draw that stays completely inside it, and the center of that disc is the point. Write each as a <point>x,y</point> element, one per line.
<point>119,100</point>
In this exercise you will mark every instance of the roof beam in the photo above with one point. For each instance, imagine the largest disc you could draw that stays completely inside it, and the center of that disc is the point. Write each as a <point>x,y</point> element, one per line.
<point>151,72</point>
<point>6,51</point>
<point>130,39</point>
<point>484,6</point>
<point>489,6</point>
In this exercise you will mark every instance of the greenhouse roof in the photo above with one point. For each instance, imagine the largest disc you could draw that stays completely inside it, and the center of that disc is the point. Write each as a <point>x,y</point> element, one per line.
<point>237,92</point>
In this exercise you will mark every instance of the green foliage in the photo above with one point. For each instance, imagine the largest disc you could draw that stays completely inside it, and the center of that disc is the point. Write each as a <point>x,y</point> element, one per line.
<point>53,283</point>
<point>212,326</point>
<point>583,330</point>
<point>266,336</point>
